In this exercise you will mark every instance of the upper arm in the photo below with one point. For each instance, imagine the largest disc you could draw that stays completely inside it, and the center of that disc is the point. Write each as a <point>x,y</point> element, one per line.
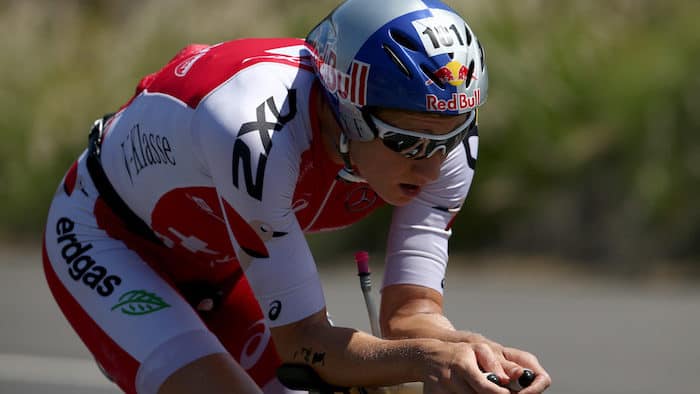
<point>417,247</point>
<point>251,145</point>
<point>417,250</point>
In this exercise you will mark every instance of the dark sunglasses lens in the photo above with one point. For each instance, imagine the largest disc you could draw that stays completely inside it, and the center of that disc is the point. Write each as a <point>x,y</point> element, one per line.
<point>456,140</point>
<point>411,147</point>
<point>399,142</point>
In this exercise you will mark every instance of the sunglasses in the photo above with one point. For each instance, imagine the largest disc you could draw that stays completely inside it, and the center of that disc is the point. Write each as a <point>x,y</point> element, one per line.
<point>415,145</point>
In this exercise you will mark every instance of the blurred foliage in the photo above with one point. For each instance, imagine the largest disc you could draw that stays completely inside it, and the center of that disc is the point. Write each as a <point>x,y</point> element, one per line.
<point>589,145</point>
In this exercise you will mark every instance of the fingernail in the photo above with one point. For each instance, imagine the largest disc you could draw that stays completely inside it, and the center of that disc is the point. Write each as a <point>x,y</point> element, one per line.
<point>491,377</point>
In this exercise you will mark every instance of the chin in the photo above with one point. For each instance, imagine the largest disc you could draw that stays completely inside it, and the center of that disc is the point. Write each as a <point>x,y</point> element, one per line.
<point>394,197</point>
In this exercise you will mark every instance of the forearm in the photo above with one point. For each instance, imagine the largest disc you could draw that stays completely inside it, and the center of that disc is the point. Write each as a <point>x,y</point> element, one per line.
<point>425,325</point>
<point>410,311</point>
<point>347,357</point>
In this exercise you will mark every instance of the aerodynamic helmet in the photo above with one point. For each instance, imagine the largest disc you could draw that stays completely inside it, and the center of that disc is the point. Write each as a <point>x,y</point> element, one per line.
<point>402,54</point>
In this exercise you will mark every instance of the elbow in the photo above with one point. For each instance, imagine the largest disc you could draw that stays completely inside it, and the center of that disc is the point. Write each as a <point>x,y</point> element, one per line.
<point>290,338</point>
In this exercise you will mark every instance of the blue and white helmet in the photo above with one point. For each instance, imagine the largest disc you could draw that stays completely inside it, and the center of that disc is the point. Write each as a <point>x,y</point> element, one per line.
<point>416,55</point>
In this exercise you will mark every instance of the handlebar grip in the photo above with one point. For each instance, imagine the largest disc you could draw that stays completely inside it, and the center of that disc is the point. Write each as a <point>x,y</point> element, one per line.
<point>523,381</point>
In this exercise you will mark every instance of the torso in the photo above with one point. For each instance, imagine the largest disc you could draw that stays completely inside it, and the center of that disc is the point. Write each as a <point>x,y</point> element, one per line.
<point>222,146</point>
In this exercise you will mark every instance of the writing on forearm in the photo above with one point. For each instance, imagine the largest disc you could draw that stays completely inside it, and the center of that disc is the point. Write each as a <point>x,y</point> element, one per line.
<point>310,356</point>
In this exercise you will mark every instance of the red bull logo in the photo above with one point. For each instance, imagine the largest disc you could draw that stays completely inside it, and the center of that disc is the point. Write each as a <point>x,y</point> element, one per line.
<point>458,102</point>
<point>454,73</point>
<point>351,87</point>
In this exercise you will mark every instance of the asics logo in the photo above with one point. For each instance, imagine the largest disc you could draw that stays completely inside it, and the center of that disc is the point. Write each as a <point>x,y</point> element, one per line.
<point>184,67</point>
<point>255,346</point>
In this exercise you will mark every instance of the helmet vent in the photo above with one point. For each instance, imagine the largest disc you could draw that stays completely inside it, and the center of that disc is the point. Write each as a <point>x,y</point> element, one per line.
<point>469,35</point>
<point>437,81</point>
<point>470,74</point>
<point>396,60</point>
<point>405,41</point>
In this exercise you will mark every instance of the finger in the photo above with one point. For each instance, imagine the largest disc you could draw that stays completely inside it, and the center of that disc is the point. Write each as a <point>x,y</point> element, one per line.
<point>540,384</point>
<point>542,379</point>
<point>477,379</point>
<point>489,361</point>
<point>517,359</point>
<point>521,357</point>
<point>524,380</point>
<point>512,369</point>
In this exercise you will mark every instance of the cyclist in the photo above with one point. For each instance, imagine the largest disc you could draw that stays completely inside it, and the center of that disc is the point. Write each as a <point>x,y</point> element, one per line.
<point>175,243</point>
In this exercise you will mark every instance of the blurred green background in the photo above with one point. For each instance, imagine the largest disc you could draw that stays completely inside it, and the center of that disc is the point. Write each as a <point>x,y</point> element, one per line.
<point>589,149</point>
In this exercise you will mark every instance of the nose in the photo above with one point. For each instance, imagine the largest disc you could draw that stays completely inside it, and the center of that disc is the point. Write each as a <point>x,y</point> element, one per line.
<point>427,170</point>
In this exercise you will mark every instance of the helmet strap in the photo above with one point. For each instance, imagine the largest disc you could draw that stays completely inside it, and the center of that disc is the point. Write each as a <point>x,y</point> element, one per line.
<point>347,173</point>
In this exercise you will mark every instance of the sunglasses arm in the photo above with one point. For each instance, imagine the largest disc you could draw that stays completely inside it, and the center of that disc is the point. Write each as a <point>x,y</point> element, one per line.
<point>347,173</point>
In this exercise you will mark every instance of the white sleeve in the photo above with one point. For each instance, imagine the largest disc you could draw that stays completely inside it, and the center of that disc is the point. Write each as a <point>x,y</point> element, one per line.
<point>255,173</point>
<point>417,244</point>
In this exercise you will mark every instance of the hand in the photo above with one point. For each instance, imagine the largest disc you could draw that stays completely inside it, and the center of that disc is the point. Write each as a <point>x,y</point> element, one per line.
<point>457,367</point>
<point>512,361</point>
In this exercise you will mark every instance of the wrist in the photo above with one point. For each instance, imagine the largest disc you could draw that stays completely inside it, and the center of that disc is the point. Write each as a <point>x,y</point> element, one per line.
<point>429,351</point>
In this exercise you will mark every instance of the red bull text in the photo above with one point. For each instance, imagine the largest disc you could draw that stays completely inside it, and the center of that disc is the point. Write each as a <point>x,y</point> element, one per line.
<point>351,87</point>
<point>458,102</point>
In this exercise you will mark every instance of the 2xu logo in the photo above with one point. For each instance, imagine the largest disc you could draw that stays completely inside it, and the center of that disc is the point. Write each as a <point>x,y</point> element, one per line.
<point>81,266</point>
<point>242,152</point>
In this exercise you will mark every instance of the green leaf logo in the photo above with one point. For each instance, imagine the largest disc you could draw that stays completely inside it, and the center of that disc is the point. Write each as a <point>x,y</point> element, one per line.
<point>140,302</point>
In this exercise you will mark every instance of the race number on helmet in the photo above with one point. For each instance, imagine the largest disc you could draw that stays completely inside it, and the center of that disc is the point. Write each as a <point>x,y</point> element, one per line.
<point>404,54</point>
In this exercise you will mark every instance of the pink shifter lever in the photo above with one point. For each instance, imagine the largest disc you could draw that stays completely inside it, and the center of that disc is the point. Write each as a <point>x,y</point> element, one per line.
<point>362,260</point>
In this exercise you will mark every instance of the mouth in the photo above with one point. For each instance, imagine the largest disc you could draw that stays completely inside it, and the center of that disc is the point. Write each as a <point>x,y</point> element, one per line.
<point>409,189</point>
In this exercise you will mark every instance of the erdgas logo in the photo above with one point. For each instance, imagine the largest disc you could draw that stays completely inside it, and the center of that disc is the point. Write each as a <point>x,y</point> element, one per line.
<point>140,302</point>
<point>81,266</point>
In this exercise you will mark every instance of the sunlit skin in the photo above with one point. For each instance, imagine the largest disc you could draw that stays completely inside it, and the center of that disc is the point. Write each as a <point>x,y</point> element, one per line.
<point>396,179</point>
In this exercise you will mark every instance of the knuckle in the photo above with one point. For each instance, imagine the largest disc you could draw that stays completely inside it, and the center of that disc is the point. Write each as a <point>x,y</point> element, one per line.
<point>482,348</point>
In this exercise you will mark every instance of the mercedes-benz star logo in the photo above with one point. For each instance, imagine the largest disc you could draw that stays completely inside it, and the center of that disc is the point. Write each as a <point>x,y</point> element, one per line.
<point>360,199</point>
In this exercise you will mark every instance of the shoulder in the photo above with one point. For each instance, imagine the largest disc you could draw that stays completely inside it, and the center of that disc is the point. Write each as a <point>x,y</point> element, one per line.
<point>197,70</point>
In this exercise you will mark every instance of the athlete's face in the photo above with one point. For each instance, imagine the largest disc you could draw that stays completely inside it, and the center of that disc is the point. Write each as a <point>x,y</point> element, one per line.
<point>395,178</point>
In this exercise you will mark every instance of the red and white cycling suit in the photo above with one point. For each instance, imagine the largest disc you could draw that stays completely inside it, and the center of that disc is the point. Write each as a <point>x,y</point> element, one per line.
<point>220,154</point>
